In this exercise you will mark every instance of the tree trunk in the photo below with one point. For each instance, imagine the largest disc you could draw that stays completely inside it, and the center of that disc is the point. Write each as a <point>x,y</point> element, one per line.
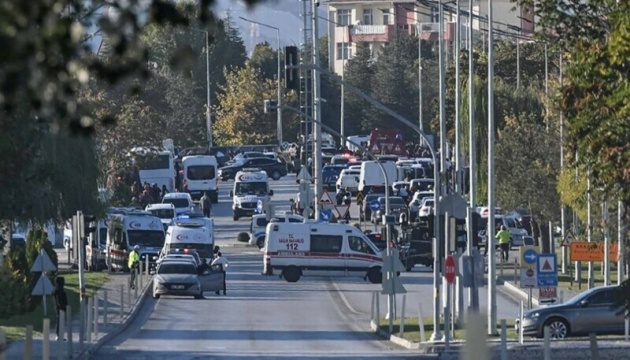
<point>544,238</point>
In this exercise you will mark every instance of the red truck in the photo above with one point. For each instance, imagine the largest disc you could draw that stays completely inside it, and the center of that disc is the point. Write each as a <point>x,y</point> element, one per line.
<point>387,141</point>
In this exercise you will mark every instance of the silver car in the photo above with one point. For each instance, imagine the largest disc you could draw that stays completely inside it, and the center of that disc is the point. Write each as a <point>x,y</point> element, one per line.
<point>182,278</point>
<point>589,312</point>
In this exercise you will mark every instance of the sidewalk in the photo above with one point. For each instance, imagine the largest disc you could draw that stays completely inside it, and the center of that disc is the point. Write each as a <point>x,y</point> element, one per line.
<point>113,325</point>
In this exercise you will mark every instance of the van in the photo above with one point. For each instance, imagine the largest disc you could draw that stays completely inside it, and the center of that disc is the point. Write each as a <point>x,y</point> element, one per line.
<point>193,234</point>
<point>517,232</point>
<point>166,213</point>
<point>259,225</point>
<point>250,187</point>
<point>182,201</point>
<point>200,172</point>
<point>318,249</point>
<point>134,227</point>
<point>349,179</point>
<point>96,247</point>
<point>372,177</point>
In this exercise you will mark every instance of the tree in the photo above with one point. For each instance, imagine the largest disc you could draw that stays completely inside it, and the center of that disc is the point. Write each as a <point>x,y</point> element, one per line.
<point>359,72</point>
<point>239,115</point>
<point>265,58</point>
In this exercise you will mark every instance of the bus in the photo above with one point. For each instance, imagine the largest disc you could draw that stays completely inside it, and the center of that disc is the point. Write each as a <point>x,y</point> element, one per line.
<point>155,166</point>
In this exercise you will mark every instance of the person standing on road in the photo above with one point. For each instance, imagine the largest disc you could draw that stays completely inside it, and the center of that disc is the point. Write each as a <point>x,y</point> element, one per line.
<point>134,265</point>
<point>504,242</point>
<point>206,204</point>
<point>222,264</point>
<point>61,300</point>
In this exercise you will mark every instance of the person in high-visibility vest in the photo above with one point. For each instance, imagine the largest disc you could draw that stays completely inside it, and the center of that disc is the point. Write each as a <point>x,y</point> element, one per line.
<point>504,242</point>
<point>134,264</point>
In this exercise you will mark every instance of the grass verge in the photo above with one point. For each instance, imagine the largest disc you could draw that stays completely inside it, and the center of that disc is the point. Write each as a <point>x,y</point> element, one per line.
<point>412,329</point>
<point>15,327</point>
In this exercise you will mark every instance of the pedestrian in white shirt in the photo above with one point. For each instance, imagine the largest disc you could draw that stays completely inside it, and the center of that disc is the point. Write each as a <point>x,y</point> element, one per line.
<point>222,264</point>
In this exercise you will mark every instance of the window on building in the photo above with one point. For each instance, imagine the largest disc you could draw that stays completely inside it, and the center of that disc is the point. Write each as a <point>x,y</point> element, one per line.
<point>344,51</point>
<point>368,17</point>
<point>435,14</point>
<point>343,17</point>
<point>387,17</point>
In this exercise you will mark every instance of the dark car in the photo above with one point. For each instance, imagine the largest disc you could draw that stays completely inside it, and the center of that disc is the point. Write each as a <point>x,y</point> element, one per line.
<point>330,174</point>
<point>396,206</point>
<point>274,168</point>
<point>416,246</point>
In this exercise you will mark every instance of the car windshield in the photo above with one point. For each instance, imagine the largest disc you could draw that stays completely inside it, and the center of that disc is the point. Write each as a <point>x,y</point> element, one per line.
<point>178,203</point>
<point>146,238</point>
<point>200,172</point>
<point>163,213</point>
<point>177,268</point>
<point>251,188</point>
<point>201,250</point>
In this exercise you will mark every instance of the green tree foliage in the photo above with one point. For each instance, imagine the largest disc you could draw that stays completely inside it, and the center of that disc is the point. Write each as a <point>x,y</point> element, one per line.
<point>239,115</point>
<point>331,91</point>
<point>359,72</point>
<point>265,58</point>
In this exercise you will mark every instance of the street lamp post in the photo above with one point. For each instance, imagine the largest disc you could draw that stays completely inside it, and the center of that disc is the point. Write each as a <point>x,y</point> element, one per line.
<point>279,119</point>
<point>419,32</point>
<point>208,101</point>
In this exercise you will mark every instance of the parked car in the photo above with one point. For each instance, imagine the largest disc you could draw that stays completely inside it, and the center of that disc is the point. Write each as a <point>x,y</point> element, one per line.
<point>367,212</point>
<point>274,168</point>
<point>592,311</point>
<point>396,206</point>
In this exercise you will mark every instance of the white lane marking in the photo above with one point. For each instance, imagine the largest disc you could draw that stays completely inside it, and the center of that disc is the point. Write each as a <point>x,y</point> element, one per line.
<point>345,300</point>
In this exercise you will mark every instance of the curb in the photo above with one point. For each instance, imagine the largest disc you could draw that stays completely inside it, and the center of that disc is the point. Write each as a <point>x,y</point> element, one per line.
<point>393,338</point>
<point>520,293</point>
<point>93,348</point>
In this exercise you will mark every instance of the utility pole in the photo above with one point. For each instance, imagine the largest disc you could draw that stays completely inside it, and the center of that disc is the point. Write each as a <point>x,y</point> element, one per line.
<point>565,253</point>
<point>606,244</point>
<point>419,31</point>
<point>472,156</point>
<point>208,96</point>
<point>317,112</point>
<point>458,159</point>
<point>443,137</point>
<point>589,224</point>
<point>343,73</point>
<point>492,260</point>
<point>621,262</point>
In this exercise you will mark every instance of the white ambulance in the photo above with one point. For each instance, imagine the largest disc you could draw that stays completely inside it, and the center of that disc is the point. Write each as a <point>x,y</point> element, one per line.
<point>305,249</point>
<point>251,185</point>
<point>200,172</point>
<point>192,233</point>
<point>134,227</point>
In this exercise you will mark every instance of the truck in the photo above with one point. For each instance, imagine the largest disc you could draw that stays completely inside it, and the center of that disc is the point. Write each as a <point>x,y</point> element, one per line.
<point>371,177</point>
<point>387,141</point>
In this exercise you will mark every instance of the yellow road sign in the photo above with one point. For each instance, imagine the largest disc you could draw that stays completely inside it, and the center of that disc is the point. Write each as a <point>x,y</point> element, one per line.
<point>359,199</point>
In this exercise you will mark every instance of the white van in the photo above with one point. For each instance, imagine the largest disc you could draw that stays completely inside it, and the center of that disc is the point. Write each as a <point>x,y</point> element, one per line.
<point>259,223</point>
<point>349,179</point>
<point>320,249</point>
<point>250,186</point>
<point>371,176</point>
<point>182,201</point>
<point>200,172</point>
<point>96,248</point>
<point>191,234</point>
<point>517,232</point>
<point>134,227</point>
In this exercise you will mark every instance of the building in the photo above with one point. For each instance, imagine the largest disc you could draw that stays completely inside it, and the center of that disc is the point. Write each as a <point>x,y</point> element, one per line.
<point>378,21</point>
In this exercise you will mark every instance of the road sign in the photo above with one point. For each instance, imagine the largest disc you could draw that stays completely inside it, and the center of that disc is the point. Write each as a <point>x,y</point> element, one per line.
<point>325,199</point>
<point>453,204</point>
<point>43,263</point>
<point>374,148</point>
<point>529,278</point>
<point>392,265</point>
<point>341,211</point>
<point>304,174</point>
<point>43,287</point>
<point>375,205</point>
<point>530,256</point>
<point>449,269</point>
<point>325,215</point>
<point>359,198</point>
<point>547,293</point>
<point>592,251</point>
<point>547,269</point>
<point>259,207</point>
<point>528,271</point>
<point>568,238</point>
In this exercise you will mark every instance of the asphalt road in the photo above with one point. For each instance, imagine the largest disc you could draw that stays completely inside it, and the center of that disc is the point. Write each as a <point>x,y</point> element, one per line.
<point>261,316</point>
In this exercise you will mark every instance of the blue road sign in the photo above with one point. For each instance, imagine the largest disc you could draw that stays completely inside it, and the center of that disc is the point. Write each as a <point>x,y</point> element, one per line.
<point>325,215</point>
<point>259,207</point>
<point>547,269</point>
<point>530,256</point>
<point>375,205</point>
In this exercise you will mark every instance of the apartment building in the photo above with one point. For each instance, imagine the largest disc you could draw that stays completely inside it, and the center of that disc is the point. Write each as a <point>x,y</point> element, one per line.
<point>376,22</point>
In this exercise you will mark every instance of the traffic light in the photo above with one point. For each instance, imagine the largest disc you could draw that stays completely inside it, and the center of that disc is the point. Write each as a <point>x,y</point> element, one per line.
<point>291,76</point>
<point>89,224</point>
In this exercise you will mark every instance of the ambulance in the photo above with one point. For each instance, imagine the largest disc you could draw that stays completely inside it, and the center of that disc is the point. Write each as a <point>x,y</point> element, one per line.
<point>317,249</point>
<point>130,228</point>
<point>190,233</point>
<point>251,185</point>
<point>96,249</point>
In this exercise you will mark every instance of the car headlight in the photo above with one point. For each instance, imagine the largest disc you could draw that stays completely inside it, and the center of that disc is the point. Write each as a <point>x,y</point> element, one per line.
<point>154,258</point>
<point>533,315</point>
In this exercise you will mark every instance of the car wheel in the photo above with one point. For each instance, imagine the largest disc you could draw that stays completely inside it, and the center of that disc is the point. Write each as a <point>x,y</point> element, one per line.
<point>375,276</point>
<point>260,242</point>
<point>156,296</point>
<point>291,274</point>
<point>199,296</point>
<point>558,328</point>
<point>276,175</point>
<point>235,217</point>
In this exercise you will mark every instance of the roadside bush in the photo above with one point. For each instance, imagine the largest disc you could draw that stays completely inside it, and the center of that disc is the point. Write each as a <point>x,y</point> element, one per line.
<point>36,240</point>
<point>15,294</point>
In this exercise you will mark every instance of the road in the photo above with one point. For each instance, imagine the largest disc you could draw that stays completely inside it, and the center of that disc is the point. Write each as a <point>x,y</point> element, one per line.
<point>262,317</point>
